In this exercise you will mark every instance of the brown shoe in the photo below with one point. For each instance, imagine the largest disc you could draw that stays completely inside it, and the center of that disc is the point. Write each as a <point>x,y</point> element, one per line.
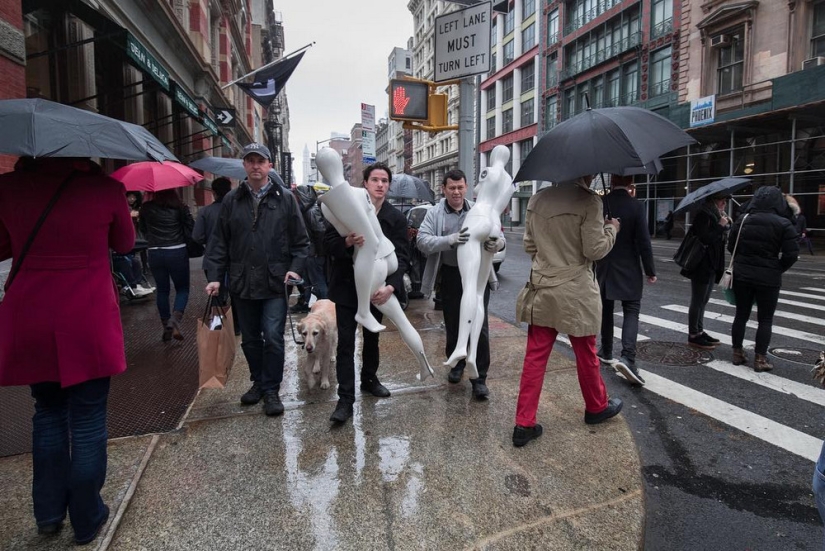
<point>739,357</point>
<point>174,325</point>
<point>760,363</point>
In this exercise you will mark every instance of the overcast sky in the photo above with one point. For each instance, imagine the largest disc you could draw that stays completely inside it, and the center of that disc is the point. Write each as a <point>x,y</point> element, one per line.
<point>347,65</point>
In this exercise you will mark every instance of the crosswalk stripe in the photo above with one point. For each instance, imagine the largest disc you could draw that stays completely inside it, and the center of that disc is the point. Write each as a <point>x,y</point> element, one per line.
<point>807,305</point>
<point>682,328</point>
<point>778,313</point>
<point>763,428</point>
<point>776,329</point>
<point>773,382</point>
<point>801,295</point>
<point>617,334</point>
<point>817,289</point>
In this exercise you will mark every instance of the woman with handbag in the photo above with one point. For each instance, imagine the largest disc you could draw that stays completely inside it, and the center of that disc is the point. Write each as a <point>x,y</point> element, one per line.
<point>60,273</point>
<point>767,248</point>
<point>709,228</point>
<point>167,224</point>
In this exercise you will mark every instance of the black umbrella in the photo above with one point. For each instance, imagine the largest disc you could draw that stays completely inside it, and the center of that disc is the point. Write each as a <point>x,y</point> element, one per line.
<point>404,186</point>
<point>725,186</point>
<point>41,128</point>
<point>231,168</point>
<point>611,140</point>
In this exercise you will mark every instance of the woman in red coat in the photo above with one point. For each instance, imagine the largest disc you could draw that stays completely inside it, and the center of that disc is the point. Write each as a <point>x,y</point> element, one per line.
<point>60,327</point>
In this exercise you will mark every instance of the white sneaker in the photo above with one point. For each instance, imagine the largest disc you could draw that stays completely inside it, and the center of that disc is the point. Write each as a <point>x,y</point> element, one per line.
<point>141,289</point>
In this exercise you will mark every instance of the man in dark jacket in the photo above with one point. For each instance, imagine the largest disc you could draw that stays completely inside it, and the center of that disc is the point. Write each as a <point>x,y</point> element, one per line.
<point>620,276</point>
<point>208,216</point>
<point>261,242</point>
<point>377,178</point>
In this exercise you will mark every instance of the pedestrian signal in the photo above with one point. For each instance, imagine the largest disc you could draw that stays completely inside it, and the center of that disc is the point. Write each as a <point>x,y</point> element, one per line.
<point>409,100</point>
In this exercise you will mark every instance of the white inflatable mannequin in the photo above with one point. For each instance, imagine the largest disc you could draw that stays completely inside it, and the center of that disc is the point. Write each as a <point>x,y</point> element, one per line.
<point>493,192</point>
<point>349,210</point>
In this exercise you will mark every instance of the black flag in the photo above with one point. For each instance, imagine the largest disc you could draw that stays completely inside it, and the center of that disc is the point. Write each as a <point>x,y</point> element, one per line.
<point>268,82</point>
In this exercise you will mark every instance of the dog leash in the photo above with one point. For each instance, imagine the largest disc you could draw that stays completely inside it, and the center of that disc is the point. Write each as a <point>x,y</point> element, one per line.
<point>287,284</point>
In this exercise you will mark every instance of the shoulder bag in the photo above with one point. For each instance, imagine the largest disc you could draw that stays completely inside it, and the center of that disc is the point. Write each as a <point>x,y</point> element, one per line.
<point>727,280</point>
<point>690,253</point>
<point>16,267</point>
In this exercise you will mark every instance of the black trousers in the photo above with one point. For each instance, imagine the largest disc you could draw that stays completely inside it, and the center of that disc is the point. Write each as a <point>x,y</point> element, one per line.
<point>451,290</point>
<point>766,299</point>
<point>345,354</point>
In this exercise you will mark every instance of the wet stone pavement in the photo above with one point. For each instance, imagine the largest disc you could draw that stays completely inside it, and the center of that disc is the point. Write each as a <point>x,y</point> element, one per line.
<point>428,468</point>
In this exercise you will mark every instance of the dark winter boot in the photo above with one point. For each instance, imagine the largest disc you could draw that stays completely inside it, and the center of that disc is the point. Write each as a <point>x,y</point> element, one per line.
<point>174,324</point>
<point>739,357</point>
<point>167,331</point>
<point>760,363</point>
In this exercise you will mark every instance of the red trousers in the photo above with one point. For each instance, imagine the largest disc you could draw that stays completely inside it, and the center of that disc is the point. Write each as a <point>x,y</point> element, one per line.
<point>540,342</point>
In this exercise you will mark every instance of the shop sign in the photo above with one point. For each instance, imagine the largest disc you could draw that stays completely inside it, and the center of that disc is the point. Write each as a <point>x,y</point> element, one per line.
<point>702,111</point>
<point>186,102</point>
<point>210,124</point>
<point>146,61</point>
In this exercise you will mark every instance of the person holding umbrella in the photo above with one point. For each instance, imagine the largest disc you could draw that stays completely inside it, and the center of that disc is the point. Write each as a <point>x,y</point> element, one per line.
<point>165,221</point>
<point>60,273</point>
<point>710,227</point>
<point>565,233</point>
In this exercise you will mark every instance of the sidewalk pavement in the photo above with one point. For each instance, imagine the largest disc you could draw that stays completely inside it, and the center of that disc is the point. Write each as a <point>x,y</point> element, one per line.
<point>428,468</point>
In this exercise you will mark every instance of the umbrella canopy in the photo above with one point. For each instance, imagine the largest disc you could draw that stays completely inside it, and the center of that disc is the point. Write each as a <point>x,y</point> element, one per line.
<point>725,186</point>
<point>230,168</point>
<point>152,176</point>
<point>611,140</point>
<point>404,186</point>
<point>41,128</point>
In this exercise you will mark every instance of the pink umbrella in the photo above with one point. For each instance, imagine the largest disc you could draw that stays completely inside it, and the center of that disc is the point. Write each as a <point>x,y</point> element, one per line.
<point>154,176</point>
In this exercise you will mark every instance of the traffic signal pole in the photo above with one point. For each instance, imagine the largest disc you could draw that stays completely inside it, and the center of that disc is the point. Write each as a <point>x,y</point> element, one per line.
<point>466,134</point>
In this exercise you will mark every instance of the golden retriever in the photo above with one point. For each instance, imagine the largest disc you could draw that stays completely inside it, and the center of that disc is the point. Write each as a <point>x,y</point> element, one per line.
<point>320,335</point>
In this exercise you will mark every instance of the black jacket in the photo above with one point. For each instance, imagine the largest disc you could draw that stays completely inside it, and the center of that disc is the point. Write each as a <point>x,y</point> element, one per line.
<point>205,225</point>
<point>707,228</point>
<point>342,279</point>
<point>620,272</point>
<point>164,226</point>
<point>768,244</point>
<point>257,248</point>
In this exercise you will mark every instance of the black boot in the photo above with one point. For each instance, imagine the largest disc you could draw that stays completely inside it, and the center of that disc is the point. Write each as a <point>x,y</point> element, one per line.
<point>343,411</point>
<point>174,324</point>
<point>167,331</point>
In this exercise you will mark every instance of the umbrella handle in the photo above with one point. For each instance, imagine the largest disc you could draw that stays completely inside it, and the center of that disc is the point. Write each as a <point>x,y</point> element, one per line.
<point>606,199</point>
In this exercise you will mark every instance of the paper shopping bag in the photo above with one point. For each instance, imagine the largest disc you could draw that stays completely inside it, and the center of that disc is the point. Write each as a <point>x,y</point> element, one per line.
<point>216,347</point>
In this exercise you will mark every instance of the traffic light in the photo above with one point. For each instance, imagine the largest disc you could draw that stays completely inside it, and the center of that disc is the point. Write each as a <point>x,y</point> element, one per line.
<point>409,100</point>
<point>415,102</point>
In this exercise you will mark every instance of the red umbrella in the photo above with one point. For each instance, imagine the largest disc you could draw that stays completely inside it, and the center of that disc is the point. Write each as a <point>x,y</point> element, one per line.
<point>153,176</point>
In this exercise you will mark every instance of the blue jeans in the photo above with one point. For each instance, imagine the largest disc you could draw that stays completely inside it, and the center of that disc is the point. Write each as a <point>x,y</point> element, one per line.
<point>174,264</point>
<point>819,484</point>
<point>262,339</point>
<point>69,472</point>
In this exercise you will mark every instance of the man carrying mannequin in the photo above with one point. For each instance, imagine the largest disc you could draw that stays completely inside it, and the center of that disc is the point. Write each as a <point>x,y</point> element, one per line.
<point>261,242</point>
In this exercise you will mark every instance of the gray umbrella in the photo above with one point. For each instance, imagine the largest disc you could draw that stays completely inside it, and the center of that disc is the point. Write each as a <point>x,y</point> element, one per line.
<point>404,186</point>
<point>725,186</point>
<point>610,140</point>
<point>230,168</point>
<point>41,128</point>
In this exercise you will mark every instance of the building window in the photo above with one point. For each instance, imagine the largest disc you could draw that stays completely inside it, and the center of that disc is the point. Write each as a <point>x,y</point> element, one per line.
<point>613,88</point>
<point>528,115</point>
<point>660,72</point>
<point>551,112</point>
<point>528,9</point>
<point>509,22</point>
<point>631,83</point>
<point>661,18</point>
<point>507,121</point>
<point>552,27</point>
<point>493,33</point>
<point>525,148</point>
<point>491,97</point>
<point>569,102</point>
<point>552,73</point>
<point>528,37</point>
<point>528,77</point>
<point>491,127</point>
<point>731,61</point>
<point>492,63</point>
<point>509,50</point>
<point>507,89</point>
<point>597,95</point>
<point>818,33</point>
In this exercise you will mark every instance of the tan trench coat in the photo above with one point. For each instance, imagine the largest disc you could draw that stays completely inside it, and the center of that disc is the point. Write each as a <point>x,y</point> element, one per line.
<point>565,234</point>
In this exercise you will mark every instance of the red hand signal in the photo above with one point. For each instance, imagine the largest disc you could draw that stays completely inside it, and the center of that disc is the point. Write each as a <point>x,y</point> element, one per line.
<point>400,100</point>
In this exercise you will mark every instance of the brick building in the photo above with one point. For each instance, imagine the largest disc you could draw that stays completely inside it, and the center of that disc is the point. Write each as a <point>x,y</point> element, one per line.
<point>12,59</point>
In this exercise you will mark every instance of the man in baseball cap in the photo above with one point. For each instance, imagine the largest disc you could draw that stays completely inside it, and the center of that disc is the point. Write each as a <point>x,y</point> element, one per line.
<point>258,149</point>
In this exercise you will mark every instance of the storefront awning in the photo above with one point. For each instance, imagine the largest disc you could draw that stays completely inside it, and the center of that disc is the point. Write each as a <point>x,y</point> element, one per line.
<point>145,61</point>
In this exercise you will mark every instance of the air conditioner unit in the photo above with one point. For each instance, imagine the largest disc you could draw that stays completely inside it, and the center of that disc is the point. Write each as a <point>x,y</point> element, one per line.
<point>719,41</point>
<point>813,62</point>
